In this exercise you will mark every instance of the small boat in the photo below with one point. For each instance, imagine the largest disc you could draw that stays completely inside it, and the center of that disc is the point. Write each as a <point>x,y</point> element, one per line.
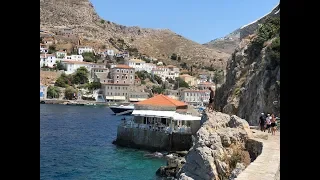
<point>122,109</point>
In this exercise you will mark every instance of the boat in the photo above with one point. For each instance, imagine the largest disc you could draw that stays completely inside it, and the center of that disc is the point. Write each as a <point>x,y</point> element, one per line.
<point>122,109</point>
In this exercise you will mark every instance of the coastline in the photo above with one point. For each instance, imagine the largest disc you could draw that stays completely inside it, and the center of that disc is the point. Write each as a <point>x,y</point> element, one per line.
<point>77,102</point>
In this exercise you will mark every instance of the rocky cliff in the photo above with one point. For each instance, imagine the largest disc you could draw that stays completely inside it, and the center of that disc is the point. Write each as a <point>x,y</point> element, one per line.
<point>252,81</point>
<point>219,150</point>
<point>230,42</point>
<point>80,16</point>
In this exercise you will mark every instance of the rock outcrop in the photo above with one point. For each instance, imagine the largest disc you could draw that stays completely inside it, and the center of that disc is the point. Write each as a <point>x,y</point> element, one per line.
<point>252,81</point>
<point>219,150</point>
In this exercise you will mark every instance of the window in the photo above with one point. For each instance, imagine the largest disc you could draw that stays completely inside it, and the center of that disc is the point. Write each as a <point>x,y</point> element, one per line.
<point>111,93</point>
<point>138,64</point>
<point>187,94</point>
<point>122,76</point>
<point>117,76</point>
<point>111,87</point>
<point>126,93</point>
<point>118,70</point>
<point>117,81</point>
<point>124,82</point>
<point>123,94</point>
<point>127,71</point>
<point>126,77</point>
<point>107,93</point>
<point>131,77</point>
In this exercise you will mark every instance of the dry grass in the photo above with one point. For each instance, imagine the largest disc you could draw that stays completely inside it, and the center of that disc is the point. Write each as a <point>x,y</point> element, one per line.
<point>160,44</point>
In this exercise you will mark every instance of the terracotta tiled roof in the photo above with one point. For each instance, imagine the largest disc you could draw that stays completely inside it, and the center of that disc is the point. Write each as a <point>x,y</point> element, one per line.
<point>162,100</point>
<point>123,66</point>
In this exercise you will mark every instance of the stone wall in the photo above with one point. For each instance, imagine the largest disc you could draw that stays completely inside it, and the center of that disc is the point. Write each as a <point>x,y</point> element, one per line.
<point>152,140</point>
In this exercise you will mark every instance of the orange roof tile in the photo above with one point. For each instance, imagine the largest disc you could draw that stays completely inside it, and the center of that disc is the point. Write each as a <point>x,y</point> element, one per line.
<point>162,100</point>
<point>123,66</point>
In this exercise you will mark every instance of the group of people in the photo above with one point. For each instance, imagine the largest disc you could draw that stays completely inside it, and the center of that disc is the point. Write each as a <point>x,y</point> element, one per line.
<point>268,122</point>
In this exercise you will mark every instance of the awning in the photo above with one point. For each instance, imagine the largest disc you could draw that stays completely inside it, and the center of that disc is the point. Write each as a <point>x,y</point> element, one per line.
<point>116,97</point>
<point>184,117</point>
<point>137,99</point>
<point>151,113</point>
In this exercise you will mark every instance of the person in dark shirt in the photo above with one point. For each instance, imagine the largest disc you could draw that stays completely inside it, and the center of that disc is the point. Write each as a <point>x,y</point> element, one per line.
<point>210,105</point>
<point>262,122</point>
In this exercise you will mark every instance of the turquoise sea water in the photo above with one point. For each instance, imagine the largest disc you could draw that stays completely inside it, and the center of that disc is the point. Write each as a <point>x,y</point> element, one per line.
<point>76,143</point>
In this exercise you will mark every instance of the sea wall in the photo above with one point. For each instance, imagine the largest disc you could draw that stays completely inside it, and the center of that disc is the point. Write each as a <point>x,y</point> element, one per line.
<point>152,140</point>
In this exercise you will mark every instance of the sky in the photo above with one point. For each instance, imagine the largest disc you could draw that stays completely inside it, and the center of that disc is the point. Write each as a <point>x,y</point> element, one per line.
<point>197,20</point>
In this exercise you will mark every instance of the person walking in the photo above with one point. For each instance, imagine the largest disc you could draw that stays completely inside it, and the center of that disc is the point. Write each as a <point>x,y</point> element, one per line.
<point>273,125</point>
<point>268,122</point>
<point>210,105</point>
<point>262,122</point>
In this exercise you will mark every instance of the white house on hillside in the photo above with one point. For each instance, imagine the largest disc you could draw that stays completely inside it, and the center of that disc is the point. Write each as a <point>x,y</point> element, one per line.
<point>72,66</point>
<point>166,72</point>
<point>74,58</point>
<point>82,49</point>
<point>137,64</point>
<point>47,60</point>
<point>61,54</point>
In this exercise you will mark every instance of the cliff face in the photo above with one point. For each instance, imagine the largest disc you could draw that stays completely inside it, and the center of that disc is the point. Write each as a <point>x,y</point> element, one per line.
<point>81,17</point>
<point>252,81</point>
<point>229,43</point>
<point>219,149</point>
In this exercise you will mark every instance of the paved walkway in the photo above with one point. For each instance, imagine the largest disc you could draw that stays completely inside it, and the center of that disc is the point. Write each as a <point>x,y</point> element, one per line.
<point>267,164</point>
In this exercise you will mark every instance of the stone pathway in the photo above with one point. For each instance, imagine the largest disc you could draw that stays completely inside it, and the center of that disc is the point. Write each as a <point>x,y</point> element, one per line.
<point>267,164</point>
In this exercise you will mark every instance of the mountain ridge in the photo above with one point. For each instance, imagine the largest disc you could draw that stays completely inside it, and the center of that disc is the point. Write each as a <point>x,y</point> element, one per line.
<point>81,16</point>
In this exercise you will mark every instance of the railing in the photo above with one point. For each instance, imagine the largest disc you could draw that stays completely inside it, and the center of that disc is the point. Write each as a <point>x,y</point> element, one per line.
<point>165,129</point>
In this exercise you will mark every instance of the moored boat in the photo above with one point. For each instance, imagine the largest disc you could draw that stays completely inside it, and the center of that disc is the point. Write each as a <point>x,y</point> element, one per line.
<point>122,109</point>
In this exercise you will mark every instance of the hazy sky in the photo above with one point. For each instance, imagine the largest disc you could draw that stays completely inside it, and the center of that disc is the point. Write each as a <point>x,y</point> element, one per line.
<point>198,20</point>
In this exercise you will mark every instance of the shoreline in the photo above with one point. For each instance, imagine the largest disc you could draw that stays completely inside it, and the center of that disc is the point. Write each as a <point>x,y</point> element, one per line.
<point>71,102</point>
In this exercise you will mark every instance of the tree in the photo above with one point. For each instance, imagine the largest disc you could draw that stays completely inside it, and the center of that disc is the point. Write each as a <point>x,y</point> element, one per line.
<point>52,49</point>
<point>70,93</point>
<point>143,75</point>
<point>89,57</point>
<point>180,83</point>
<point>53,92</point>
<point>218,76</point>
<point>81,76</point>
<point>64,80</point>
<point>157,89</point>
<point>60,66</point>
<point>157,78</point>
<point>174,56</point>
<point>94,86</point>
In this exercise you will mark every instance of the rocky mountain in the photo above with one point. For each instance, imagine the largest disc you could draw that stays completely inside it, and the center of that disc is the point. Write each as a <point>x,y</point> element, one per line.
<point>252,81</point>
<point>230,42</point>
<point>80,16</point>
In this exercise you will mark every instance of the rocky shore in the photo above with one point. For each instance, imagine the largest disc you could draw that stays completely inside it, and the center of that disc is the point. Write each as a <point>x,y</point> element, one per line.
<point>223,148</point>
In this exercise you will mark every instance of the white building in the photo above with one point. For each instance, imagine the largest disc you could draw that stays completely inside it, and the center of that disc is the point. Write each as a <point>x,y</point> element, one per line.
<point>82,49</point>
<point>166,72</point>
<point>61,54</point>
<point>72,66</point>
<point>43,48</point>
<point>74,58</point>
<point>47,60</point>
<point>140,65</point>
<point>110,52</point>
<point>195,97</point>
